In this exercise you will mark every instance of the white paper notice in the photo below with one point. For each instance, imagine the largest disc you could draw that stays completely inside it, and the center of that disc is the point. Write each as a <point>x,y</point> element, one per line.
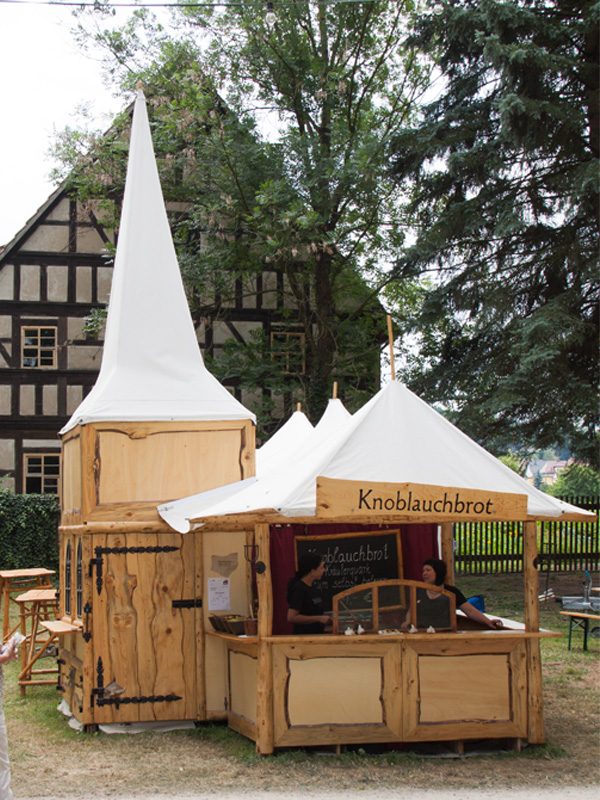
<point>219,595</point>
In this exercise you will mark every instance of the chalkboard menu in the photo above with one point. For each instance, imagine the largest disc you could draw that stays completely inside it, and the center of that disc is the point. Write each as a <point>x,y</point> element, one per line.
<point>354,558</point>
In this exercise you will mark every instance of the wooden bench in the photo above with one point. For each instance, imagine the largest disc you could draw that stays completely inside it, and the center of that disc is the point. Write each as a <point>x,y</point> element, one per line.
<point>577,619</point>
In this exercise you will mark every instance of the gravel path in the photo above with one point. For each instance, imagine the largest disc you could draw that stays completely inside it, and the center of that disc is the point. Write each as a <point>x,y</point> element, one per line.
<point>537,793</point>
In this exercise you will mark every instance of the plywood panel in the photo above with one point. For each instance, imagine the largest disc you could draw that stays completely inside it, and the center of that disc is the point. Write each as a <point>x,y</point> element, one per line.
<point>242,685</point>
<point>335,691</point>
<point>475,687</point>
<point>71,498</point>
<point>220,548</point>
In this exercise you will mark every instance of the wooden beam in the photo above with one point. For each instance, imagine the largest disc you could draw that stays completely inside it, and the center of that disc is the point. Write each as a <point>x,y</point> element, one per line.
<point>447,553</point>
<point>264,699</point>
<point>535,707</point>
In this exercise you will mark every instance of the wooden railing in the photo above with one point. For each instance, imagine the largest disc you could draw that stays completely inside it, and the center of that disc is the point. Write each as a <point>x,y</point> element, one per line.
<point>498,547</point>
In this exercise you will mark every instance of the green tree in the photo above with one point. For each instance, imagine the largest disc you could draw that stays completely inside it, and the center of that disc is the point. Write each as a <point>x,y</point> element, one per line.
<point>576,480</point>
<point>516,462</point>
<point>504,173</point>
<point>312,199</point>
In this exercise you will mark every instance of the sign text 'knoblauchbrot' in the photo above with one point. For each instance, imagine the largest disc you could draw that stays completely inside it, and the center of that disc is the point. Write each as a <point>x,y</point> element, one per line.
<point>337,498</point>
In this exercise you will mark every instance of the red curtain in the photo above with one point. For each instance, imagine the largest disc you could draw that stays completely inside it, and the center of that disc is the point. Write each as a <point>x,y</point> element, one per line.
<point>418,542</point>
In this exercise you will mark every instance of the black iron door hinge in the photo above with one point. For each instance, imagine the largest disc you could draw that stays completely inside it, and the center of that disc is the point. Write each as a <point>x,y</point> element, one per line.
<point>98,562</point>
<point>194,602</point>
<point>98,694</point>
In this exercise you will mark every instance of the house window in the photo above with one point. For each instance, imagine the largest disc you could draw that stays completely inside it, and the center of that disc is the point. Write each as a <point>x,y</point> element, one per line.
<point>41,473</point>
<point>288,348</point>
<point>38,347</point>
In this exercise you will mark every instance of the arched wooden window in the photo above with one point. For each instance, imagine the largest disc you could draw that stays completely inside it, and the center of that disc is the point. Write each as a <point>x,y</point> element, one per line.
<point>68,579</point>
<point>79,592</point>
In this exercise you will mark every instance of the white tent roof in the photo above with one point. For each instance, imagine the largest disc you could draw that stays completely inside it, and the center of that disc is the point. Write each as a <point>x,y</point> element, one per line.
<point>288,439</point>
<point>152,368</point>
<point>395,438</point>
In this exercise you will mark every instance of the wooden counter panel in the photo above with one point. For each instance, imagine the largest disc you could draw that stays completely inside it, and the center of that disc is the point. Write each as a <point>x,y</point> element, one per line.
<point>243,674</point>
<point>462,693</point>
<point>339,691</point>
<point>342,694</point>
<point>484,694</point>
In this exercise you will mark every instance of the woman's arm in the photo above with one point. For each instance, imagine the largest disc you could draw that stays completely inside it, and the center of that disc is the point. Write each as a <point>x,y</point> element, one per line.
<point>8,652</point>
<point>476,615</point>
<point>296,618</point>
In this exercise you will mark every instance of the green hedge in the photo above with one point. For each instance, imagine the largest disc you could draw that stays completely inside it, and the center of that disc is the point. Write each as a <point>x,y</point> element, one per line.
<point>28,531</point>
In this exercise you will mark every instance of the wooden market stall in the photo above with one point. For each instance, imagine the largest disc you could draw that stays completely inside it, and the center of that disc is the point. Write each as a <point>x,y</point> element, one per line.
<point>142,573</point>
<point>453,684</point>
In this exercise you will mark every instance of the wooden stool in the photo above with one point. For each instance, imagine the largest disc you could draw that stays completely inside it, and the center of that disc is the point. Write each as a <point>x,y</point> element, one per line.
<point>16,581</point>
<point>36,605</point>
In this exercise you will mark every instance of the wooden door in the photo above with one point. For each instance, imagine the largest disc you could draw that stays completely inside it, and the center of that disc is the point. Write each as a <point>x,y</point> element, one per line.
<point>147,627</point>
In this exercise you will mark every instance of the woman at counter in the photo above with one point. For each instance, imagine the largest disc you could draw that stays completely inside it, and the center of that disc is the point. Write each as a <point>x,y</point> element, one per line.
<point>306,611</point>
<point>434,573</point>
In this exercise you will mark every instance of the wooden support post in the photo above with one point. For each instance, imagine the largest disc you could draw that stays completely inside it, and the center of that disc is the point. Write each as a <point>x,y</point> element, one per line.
<point>265,735</point>
<point>535,716</point>
<point>447,553</point>
<point>200,628</point>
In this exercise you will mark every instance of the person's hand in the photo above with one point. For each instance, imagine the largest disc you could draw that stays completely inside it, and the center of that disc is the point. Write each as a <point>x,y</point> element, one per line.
<point>326,620</point>
<point>496,623</point>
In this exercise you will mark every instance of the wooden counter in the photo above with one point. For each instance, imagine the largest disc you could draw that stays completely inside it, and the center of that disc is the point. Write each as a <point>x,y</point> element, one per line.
<point>404,687</point>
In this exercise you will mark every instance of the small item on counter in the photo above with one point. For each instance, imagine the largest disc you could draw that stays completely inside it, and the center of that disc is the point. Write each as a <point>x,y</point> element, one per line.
<point>360,629</point>
<point>431,629</point>
<point>412,629</point>
<point>349,631</point>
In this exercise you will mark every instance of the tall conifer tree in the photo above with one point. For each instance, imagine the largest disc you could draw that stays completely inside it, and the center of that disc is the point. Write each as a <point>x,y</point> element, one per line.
<point>504,174</point>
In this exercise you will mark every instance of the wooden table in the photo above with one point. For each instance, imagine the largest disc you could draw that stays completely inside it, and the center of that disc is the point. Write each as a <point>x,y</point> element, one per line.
<point>577,619</point>
<point>16,581</point>
<point>35,607</point>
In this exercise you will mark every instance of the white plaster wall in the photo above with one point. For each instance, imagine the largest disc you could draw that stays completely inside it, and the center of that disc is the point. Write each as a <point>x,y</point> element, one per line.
<point>58,284</point>
<point>74,398</point>
<point>85,357</point>
<point>84,285</point>
<point>7,454</point>
<point>104,282</point>
<point>50,400</point>
<point>30,282</point>
<point>48,238</point>
<point>5,398</point>
<point>27,400</point>
<point>7,275</point>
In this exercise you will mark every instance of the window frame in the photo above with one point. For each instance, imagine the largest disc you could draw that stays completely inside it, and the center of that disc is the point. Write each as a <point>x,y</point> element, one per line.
<point>43,351</point>
<point>45,477</point>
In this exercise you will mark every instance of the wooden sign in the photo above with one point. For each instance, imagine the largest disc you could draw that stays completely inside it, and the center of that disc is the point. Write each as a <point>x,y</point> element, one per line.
<point>415,502</point>
<point>354,558</point>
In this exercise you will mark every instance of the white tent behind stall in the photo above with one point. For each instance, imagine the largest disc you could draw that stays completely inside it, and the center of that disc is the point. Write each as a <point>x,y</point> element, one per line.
<point>288,439</point>
<point>396,455</point>
<point>152,368</point>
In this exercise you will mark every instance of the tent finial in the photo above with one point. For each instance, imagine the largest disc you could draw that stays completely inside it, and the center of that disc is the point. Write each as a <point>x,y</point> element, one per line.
<point>335,390</point>
<point>391,338</point>
<point>299,406</point>
<point>140,85</point>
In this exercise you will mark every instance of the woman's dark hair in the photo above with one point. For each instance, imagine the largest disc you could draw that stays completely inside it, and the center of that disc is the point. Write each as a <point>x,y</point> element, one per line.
<point>439,567</point>
<point>306,563</point>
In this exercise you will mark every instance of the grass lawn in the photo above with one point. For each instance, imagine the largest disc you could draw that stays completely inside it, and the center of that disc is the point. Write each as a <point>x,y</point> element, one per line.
<point>50,759</point>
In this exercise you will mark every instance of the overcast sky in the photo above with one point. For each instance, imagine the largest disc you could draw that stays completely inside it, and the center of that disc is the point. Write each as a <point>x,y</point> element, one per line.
<point>43,78</point>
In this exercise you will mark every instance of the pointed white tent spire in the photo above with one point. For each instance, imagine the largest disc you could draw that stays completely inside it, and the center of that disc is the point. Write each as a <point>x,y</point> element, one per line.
<point>152,368</point>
